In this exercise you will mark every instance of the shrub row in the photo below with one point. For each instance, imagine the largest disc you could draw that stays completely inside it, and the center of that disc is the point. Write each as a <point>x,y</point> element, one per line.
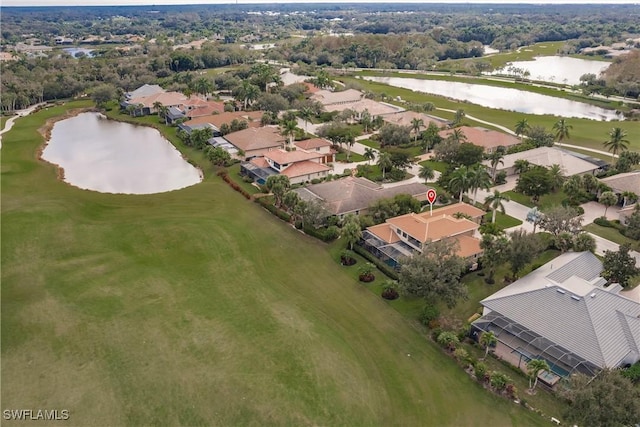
<point>328,234</point>
<point>266,203</point>
<point>226,178</point>
<point>388,271</point>
<point>603,222</point>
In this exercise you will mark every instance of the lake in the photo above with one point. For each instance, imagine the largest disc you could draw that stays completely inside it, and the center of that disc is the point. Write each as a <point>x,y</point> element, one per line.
<point>73,51</point>
<point>558,69</point>
<point>502,98</point>
<point>112,157</point>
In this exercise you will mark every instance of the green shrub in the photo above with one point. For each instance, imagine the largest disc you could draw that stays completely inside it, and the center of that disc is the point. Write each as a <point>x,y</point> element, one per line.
<point>480,370</point>
<point>429,312</point>
<point>603,222</point>
<point>501,178</point>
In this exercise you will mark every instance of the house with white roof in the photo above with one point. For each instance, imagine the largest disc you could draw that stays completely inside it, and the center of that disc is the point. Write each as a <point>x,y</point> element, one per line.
<point>570,163</point>
<point>563,313</point>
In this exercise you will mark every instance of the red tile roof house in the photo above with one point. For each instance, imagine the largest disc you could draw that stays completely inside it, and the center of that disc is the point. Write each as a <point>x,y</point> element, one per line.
<point>320,146</point>
<point>256,142</point>
<point>299,166</point>
<point>485,138</point>
<point>405,235</point>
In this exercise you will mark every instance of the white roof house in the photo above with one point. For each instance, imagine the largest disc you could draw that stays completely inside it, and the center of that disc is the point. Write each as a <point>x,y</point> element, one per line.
<point>562,313</point>
<point>570,163</point>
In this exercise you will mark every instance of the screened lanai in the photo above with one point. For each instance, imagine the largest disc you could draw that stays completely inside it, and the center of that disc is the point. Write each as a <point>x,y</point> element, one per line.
<point>524,345</point>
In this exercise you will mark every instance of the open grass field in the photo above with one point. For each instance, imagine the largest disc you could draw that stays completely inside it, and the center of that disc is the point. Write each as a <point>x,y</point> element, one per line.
<point>612,234</point>
<point>587,133</point>
<point>197,307</point>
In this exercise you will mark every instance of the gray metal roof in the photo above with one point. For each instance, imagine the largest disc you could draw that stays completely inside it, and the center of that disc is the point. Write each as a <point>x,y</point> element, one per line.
<point>565,307</point>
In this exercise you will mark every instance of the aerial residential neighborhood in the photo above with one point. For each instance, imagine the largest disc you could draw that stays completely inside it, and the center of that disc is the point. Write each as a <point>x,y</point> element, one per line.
<point>320,214</point>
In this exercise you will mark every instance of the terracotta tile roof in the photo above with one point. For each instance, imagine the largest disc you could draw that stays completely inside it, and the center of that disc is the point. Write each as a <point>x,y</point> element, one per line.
<point>310,144</point>
<point>311,88</point>
<point>165,98</point>
<point>304,168</point>
<point>327,97</point>
<point>424,227</point>
<point>468,246</point>
<point>355,194</point>
<point>256,138</point>
<point>622,182</point>
<point>285,157</point>
<point>207,109</point>
<point>260,162</point>
<point>252,117</point>
<point>384,232</point>
<point>486,138</point>
<point>375,108</point>
<point>404,118</point>
<point>464,208</point>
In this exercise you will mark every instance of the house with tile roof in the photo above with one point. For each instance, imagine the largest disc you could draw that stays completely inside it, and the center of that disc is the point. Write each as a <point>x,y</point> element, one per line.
<point>563,313</point>
<point>621,183</point>
<point>374,108</point>
<point>328,97</point>
<point>570,163</point>
<point>256,142</point>
<point>405,118</point>
<point>318,145</point>
<point>298,165</point>
<point>406,235</point>
<point>485,138</point>
<point>354,195</point>
<point>215,121</point>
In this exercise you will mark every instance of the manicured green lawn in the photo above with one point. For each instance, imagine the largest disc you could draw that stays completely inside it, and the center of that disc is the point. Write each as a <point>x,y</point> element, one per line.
<point>503,221</point>
<point>612,234</point>
<point>354,157</point>
<point>546,201</point>
<point>197,307</point>
<point>435,165</point>
<point>370,143</point>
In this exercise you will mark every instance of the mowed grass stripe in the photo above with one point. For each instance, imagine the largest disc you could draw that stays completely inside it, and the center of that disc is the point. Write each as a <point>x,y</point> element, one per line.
<point>197,307</point>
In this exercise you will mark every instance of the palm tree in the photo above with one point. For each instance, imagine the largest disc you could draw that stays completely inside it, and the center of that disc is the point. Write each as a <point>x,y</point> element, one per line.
<point>534,367</point>
<point>203,86</point>
<point>157,106</point>
<point>427,173</point>
<point>521,165</point>
<point>460,181</point>
<point>350,141</point>
<point>522,128</point>
<point>478,178</point>
<point>247,92</point>
<point>369,154</point>
<point>322,80</point>
<point>457,136</point>
<point>562,128</point>
<point>289,129</point>
<point>366,120</point>
<point>496,201</point>
<point>384,162</point>
<point>305,114</point>
<point>416,124</point>
<point>616,142</point>
<point>164,112</point>
<point>557,177</point>
<point>459,117</point>
<point>487,340</point>
<point>495,157</point>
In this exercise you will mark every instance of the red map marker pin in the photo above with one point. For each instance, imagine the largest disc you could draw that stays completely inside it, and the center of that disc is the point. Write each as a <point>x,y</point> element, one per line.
<point>431,195</point>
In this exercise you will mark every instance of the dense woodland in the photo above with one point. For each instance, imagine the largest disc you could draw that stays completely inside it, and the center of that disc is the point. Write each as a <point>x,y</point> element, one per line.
<point>384,36</point>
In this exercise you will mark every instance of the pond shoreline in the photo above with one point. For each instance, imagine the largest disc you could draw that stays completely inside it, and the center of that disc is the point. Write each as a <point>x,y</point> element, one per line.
<point>46,132</point>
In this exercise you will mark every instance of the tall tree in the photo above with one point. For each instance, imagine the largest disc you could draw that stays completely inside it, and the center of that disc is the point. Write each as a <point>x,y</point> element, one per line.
<point>278,185</point>
<point>608,199</point>
<point>416,125</point>
<point>496,201</point>
<point>556,176</point>
<point>617,142</point>
<point>306,114</point>
<point>523,249</point>
<point>434,274</point>
<point>522,128</point>
<point>288,129</point>
<point>534,183</point>
<point>561,219</point>
<point>534,367</point>
<point>478,179</point>
<point>460,181</point>
<point>608,399</point>
<point>369,154</point>
<point>351,229</point>
<point>247,93</point>
<point>384,162</point>
<point>561,129</point>
<point>427,173</point>
<point>495,252</point>
<point>487,340</point>
<point>366,120</point>
<point>619,266</point>
<point>459,117</point>
<point>496,159</point>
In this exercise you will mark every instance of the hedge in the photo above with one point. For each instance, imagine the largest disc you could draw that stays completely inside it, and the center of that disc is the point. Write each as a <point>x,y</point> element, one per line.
<point>271,208</point>
<point>388,271</point>
<point>226,178</point>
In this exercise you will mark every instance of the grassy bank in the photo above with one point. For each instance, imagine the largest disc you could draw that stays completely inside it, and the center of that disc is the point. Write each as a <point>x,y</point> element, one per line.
<point>197,307</point>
